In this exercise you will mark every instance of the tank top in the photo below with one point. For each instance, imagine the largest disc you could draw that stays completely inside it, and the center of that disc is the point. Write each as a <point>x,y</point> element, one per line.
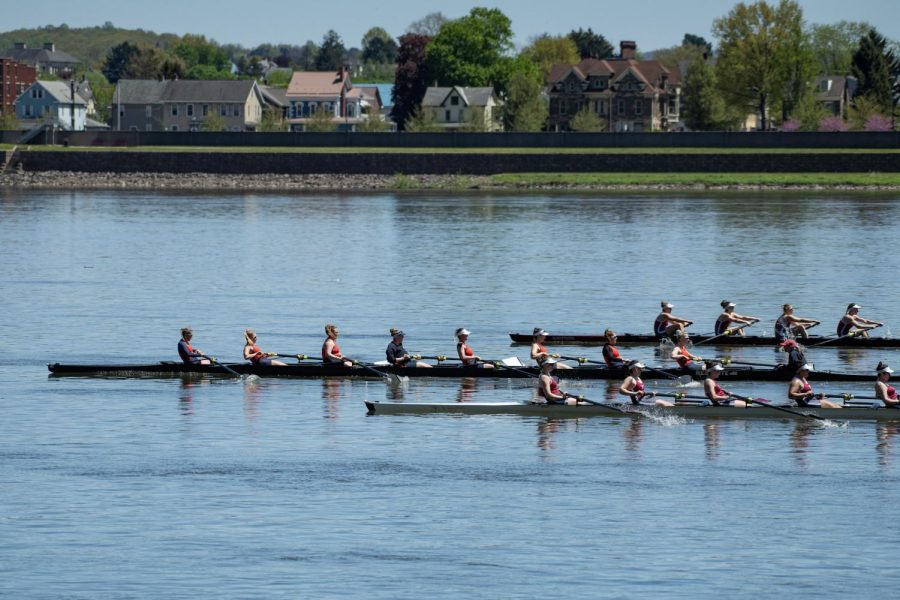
<point>844,326</point>
<point>638,385</point>
<point>256,354</point>
<point>683,361</point>
<point>334,350</point>
<point>466,352</point>
<point>891,393</point>
<point>722,325</point>
<point>542,349</point>
<point>611,355</point>
<point>554,389</point>
<point>782,329</point>
<point>718,391</point>
<point>660,324</point>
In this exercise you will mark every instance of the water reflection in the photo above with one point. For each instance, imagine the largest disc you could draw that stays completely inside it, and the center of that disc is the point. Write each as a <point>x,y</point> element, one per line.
<point>800,438</point>
<point>252,391</point>
<point>711,440</point>
<point>885,434</point>
<point>332,391</point>
<point>467,387</point>
<point>546,431</point>
<point>633,433</point>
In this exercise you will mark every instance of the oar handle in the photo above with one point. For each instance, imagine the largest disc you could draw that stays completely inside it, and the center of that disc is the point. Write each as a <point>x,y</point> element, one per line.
<point>213,360</point>
<point>297,356</point>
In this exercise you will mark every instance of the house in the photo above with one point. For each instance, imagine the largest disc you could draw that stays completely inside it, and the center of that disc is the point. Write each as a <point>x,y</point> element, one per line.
<point>835,92</point>
<point>385,95</point>
<point>52,102</point>
<point>275,99</point>
<point>15,78</point>
<point>626,93</point>
<point>45,60</point>
<point>186,105</point>
<point>313,91</point>
<point>455,108</point>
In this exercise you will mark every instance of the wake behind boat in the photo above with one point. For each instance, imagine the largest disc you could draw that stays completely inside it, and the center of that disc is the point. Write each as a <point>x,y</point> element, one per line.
<point>598,339</point>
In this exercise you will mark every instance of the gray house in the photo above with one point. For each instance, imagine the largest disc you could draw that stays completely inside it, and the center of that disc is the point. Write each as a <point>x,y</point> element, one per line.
<point>46,60</point>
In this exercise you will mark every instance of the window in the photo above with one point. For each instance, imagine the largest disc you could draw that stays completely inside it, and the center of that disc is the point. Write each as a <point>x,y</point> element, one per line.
<point>454,101</point>
<point>447,115</point>
<point>621,107</point>
<point>223,110</point>
<point>148,111</point>
<point>563,107</point>
<point>28,111</point>
<point>205,110</point>
<point>173,128</point>
<point>190,110</point>
<point>174,110</point>
<point>462,114</point>
<point>638,107</point>
<point>237,110</point>
<point>601,107</point>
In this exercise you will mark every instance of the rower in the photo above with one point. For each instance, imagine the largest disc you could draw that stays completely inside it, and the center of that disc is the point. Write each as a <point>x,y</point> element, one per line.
<point>884,392</point>
<point>682,355</point>
<point>397,354</point>
<point>539,352</point>
<point>466,354</point>
<point>801,392</point>
<point>788,325</point>
<point>714,391</point>
<point>190,355</point>
<point>666,324</point>
<point>257,356</point>
<point>331,352</point>
<point>851,320</point>
<point>728,317</point>
<point>796,356</point>
<point>633,386</point>
<point>548,385</point>
<point>610,353</point>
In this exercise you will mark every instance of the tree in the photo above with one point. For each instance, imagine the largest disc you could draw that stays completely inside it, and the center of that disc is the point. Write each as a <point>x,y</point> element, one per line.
<point>213,122</point>
<point>309,54</point>
<point>423,120</point>
<point>410,78</point>
<point>675,56</point>
<point>103,94</point>
<point>698,41</point>
<point>429,25</point>
<point>871,65</point>
<point>587,121</point>
<point>197,50</point>
<point>207,73</point>
<point>797,64</point>
<point>117,61</point>
<point>472,50</point>
<point>321,121</point>
<point>373,124</point>
<point>701,103</point>
<point>524,109</point>
<point>330,56</point>
<point>755,61</point>
<point>378,47</point>
<point>8,121</point>
<point>834,45</point>
<point>810,113</point>
<point>591,45</point>
<point>271,120</point>
<point>546,50</point>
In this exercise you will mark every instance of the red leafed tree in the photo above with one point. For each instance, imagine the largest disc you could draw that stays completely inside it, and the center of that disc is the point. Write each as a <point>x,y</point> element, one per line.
<point>411,77</point>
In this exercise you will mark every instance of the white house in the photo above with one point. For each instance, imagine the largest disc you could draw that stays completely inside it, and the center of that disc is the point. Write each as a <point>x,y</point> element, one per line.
<point>457,107</point>
<point>52,102</point>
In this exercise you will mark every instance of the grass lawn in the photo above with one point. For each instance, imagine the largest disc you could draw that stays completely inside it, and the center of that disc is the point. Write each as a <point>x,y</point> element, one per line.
<point>697,179</point>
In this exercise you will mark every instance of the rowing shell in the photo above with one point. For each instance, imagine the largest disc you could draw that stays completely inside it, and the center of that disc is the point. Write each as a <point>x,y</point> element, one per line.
<point>592,339</point>
<point>318,370</point>
<point>693,411</point>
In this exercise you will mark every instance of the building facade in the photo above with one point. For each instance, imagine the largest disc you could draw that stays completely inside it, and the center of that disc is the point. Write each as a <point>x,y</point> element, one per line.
<point>52,103</point>
<point>45,60</point>
<point>311,92</point>
<point>835,92</point>
<point>15,78</point>
<point>463,108</point>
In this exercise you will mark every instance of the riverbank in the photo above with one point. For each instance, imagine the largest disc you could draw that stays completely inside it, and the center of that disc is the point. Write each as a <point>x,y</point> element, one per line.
<point>503,182</point>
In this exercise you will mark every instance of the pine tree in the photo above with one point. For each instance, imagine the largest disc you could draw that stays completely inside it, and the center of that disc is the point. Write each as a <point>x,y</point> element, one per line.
<point>331,53</point>
<point>871,65</point>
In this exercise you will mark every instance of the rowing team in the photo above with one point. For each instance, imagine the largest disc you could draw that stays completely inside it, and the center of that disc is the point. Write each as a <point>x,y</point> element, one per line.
<point>787,326</point>
<point>331,353</point>
<point>800,392</point>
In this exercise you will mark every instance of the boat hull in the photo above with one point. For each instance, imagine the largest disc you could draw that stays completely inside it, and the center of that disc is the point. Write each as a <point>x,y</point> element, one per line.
<point>598,339</point>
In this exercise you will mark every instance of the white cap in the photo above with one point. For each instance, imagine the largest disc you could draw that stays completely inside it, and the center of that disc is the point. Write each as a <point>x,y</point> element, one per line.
<point>717,367</point>
<point>463,331</point>
<point>538,331</point>
<point>807,367</point>
<point>669,305</point>
<point>638,365</point>
<point>550,361</point>
<point>856,306</point>
<point>731,304</point>
<point>885,369</point>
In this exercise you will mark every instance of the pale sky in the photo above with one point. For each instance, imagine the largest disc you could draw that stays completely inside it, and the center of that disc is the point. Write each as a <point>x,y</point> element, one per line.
<point>652,23</point>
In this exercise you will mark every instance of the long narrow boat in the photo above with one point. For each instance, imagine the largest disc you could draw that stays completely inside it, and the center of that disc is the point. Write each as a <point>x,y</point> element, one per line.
<point>693,411</point>
<point>317,370</point>
<point>598,339</point>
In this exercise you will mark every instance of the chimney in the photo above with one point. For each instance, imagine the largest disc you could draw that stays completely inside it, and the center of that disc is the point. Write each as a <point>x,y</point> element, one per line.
<point>50,46</point>
<point>21,45</point>
<point>628,50</point>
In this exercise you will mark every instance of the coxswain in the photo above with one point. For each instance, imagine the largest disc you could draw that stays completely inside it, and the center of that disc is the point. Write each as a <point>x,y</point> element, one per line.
<point>788,325</point>
<point>466,354</point>
<point>666,324</point>
<point>884,392</point>
<point>714,391</point>
<point>633,386</point>
<point>728,316</point>
<point>610,353</point>
<point>257,356</point>
<point>801,392</point>
<point>539,352</point>
<point>796,356</point>
<point>190,355</point>
<point>851,320</point>
<point>397,354</point>
<point>548,385</point>
<point>682,355</point>
<point>331,352</point>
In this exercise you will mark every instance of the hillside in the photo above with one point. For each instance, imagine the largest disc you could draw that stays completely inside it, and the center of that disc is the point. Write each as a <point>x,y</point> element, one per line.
<point>89,44</point>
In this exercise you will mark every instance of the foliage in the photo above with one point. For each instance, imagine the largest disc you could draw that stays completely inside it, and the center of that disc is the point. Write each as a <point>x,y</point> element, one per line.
<point>207,72</point>
<point>378,47</point>
<point>410,78</point>
<point>702,105</point>
<point>8,121</point>
<point>118,60</point>
<point>271,120</point>
<point>587,120</point>
<point>878,123</point>
<point>321,121</point>
<point>213,122</point>
<point>373,73</point>
<point>127,61</point>
<point>279,79</point>
<point>590,44</point>
<point>524,109</point>
<point>697,41</point>
<point>810,113</point>
<point>250,66</point>
<point>429,25</point>
<point>103,92</point>
<point>546,50</point>
<point>872,64</point>
<point>833,124</point>
<point>423,120</point>
<point>791,126</point>
<point>864,108</point>
<point>308,56</point>
<point>835,44</point>
<point>330,56</point>
<point>475,121</point>
<point>673,57</point>
<point>197,50</point>
<point>373,124</point>
<point>472,50</point>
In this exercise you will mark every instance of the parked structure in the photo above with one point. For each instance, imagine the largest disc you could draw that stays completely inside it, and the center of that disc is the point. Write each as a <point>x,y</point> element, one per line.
<point>15,78</point>
<point>45,60</point>
<point>835,92</point>
<point>55,103</point>
<point>182,105</point>
<point>313,91</point>
<point>459,108</point>
<point>626,93</point>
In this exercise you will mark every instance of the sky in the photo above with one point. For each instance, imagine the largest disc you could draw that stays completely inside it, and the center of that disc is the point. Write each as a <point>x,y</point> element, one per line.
<point>652,23</point>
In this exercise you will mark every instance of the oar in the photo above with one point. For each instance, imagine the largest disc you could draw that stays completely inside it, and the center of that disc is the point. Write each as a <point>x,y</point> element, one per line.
<point>440,358</point>
<point>728,361</point>
<point>682,380</point>
<point>852,334</point>
<point>392,378</point>
<point>499,364</point>
<point>727,332</point>
<point>749,400</point>
<point>604,405</point>
<point>680,396</point>
<point>218,364</point>
<point>297,356</point>
<point>582,360</point>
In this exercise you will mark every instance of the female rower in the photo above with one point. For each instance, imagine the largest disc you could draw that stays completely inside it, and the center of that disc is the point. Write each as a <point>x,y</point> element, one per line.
<point>682,355</point>
<point>666,324</point>
<point>331,353</point>
<point>633,386</point>
<point>539,352</point>
<point>189,354</point>
<point>788,326</point>
<point>464,351</point>
<point>884,392</point>
<point>255,355</point>
<point>610,352</point>
<point>397,354</point>
<point>728,317</point>
<point>802,393</point>
<point>714,391</point>
<point>796,356</point>
<point>851,320</point>
<point>548,385</point>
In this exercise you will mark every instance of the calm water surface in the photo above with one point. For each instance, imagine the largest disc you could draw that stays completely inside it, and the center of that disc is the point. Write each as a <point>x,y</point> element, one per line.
<point>115,488</point>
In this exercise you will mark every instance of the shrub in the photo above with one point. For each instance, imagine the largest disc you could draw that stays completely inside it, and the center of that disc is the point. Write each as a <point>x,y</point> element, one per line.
<point>833,124</point>
<point>791,125</point>
<point>878,123</point>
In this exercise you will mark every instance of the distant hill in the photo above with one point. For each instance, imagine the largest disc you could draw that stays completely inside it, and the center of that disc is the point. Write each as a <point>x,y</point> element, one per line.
<point>88,44</point>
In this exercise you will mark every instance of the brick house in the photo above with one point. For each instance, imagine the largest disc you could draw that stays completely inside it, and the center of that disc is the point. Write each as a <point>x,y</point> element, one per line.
<point>455,108</point>
<point>626,93</point>
<point>15,78</point>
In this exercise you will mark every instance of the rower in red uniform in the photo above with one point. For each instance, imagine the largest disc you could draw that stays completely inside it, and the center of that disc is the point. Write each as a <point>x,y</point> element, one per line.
<point>539,352</point>
<point>714,391</point>
<point>884,392</point>
<point>610,353</point>
<point>548,385</point>
<point>851,320</point>
<point>466,354</point>
<point>633,386</point>
<point>728,317</point>
<point>331,353</point>
<point>190,355</point>
<point>682,355</point>
<point>666,324</point>
<point>801,392</point>
<point>257,356</point>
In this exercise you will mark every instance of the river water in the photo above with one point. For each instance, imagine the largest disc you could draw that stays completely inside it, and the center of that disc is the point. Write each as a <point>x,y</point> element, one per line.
<point>148,488</point>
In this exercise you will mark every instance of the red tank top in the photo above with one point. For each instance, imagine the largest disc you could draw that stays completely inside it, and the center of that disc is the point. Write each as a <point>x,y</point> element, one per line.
<point>638,385</point>
<point>610,354</point>
<point>718,391</point>
<point>467,353</point>
<point>891,393</point>
<point>683,361</point>
<point>806,387</point>
<point>256,353</point>
<point>334,350</point>
<point>554,389</point>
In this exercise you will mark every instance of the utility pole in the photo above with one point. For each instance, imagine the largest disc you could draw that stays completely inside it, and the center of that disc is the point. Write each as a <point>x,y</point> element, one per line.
<point>72,87</point>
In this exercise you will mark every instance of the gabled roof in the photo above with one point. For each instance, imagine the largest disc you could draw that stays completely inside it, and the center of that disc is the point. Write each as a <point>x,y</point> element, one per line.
<point>232,92</point>
<point>839,84</point>
<point>471,96</point>
<point>318,83</point>
<point>32,56</point>
<point>385,92</point>
<point>650,72</point>
<point>139,91</point>
<point>274,96</point>
<point>58,90</point>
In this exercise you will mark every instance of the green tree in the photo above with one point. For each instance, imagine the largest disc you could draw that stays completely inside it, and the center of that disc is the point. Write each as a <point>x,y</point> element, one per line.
<point>279,79</point>
<point>197,50</point>
<point>587,121</point>
<point>378,47</point>
<point>330,56</point>
<point>864,107</point>
<point>524,109</point>
<point>699,41</point>
<point>208,73</point>
<point>547,50</point>
<point>756,66</point>
<point>872,64</point>
<point>591,45</point>
<point>271,120</point>
<point>810,112</point>
<point>702,105</point>
<point>674,57</point>
<point>423,120</point>
<point>429,25</point>
<point>213,122</point>
<point>306,61</point>
<point>118,60</point>
<point>103,92</point>
<point>321,121</point>
<point>373,124</point>
<point>834,45</point>
<point>8,121</point>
